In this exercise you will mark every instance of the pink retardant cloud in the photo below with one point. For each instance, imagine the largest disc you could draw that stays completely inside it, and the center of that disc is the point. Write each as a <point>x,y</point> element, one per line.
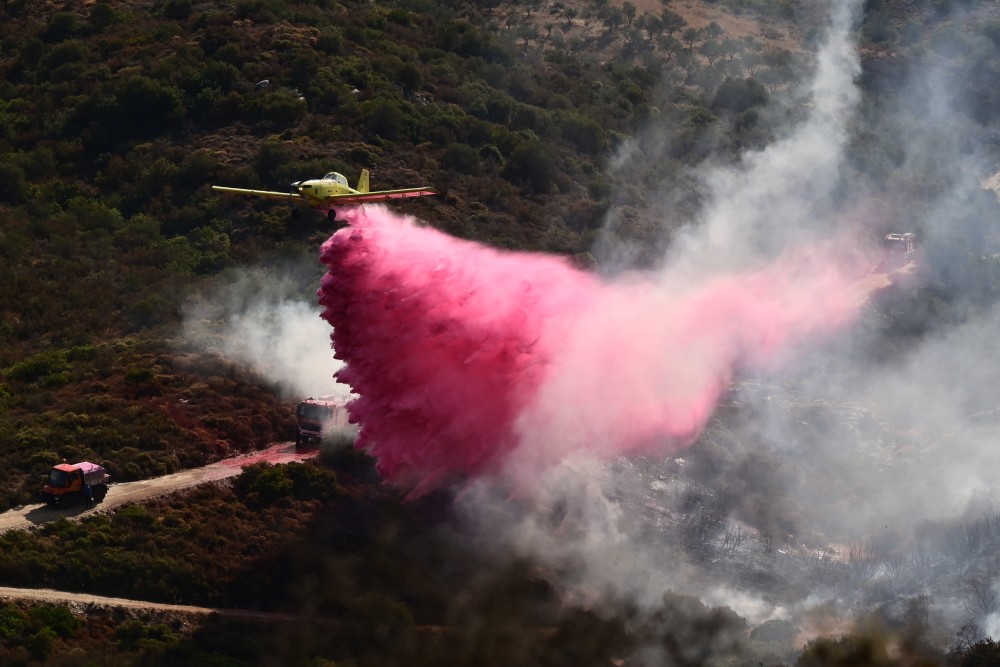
<point>470,361</point>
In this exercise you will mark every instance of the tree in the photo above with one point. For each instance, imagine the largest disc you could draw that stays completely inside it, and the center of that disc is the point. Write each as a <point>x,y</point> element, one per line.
<point>653,25</point>
<point>878,27</point>
<point>613,18</point>
<point>669,45</point>
<point>691,35</point>
<point>384,118</point>
<point>750,45</point>
<point>779,67</point>
<point>629,12</point>
<point>13,184</point>
<point>101,16</point>
<point>730,47</point>
<point>271,156</point>
<point>147,105</point>
<point>983,653</point>
<point>462,158</point>
<point>527,32</point>
<point>738,95</point>
<point>177,10</point>
<point>672,22</point>
<point>711,50</point>
<point>60,26</point>
<point>751,63</point>
<point>531,162</point>
<point>585,133</point>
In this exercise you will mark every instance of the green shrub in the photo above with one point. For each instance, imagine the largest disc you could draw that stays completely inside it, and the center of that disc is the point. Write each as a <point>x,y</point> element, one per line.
<point>43,460</point>
<point>13,184</point>
<point>262,484</point>
<point>135,517</point>
<point>12,621</point>
<point>139,375</point>
<point>462,158</point>
<point>531,163</point>
<point>58,620</point>
<point>384,118</point>
<point>60,26</point>
<point>738,95</point>
<point>260,11</point>
<point>134,634</point>
<point>102,15</point>
<point>72,51</point>
<point>585,133</point>
<point>94,216</point>
<point>177,10</point>
<point>41,643</point>
<point>198,168</point>
<point>271,156</point>
<point>41,365</point>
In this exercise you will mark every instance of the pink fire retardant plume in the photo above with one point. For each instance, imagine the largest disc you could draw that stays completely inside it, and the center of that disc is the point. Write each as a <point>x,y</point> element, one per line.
<point>471,361</point>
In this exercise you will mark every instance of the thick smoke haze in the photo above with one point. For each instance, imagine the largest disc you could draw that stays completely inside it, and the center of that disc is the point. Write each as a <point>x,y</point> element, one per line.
<point>754,422</point>
<point>853,479</point>
<point>519,368</point>
<point>265,319</point>
<point>783,193</point>
<point>856,479</point>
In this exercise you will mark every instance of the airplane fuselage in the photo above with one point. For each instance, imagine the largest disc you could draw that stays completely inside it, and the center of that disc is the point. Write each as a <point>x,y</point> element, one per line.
<point>317,190</point>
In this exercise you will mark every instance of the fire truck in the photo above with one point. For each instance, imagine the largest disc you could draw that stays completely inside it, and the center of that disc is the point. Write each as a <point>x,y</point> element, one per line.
<point>899,250</point>
<point>69,482</point>
<point>318,416</point>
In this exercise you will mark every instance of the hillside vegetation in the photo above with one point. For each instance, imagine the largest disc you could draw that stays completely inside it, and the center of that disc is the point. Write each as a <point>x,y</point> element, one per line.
<point>115,119</point>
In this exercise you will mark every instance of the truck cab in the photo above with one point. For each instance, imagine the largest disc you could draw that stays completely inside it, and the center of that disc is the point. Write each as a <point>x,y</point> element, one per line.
<point>65,476</point>
<point>316,416</point>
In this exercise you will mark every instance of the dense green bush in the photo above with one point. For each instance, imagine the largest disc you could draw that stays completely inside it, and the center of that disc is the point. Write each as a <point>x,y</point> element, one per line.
<point>738,95</point>
<point>13,183</point>
<point>532,163</point>
<point>177,10</point>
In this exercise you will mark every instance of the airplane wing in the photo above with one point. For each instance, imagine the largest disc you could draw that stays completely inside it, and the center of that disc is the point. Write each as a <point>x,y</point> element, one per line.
<point>380,195</point>
<point>267,194</point>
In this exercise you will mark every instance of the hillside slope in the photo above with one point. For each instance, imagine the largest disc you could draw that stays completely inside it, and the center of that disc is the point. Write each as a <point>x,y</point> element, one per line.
<point>581,130</point>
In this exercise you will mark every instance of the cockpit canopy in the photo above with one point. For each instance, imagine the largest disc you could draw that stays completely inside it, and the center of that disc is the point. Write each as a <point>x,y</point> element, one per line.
<point>334,176</point>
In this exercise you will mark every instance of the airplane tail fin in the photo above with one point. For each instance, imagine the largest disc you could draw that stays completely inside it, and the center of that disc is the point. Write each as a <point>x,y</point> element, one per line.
<point>363,181</point>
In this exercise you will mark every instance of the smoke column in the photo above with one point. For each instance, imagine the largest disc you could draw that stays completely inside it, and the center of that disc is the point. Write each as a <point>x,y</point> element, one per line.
<point>472,361</point>
<point>259,317</point>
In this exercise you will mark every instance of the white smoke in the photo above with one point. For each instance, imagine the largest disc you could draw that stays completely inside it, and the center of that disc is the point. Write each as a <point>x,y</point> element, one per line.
<point>851,469</point>
<point>262,318</point>
<point>782,193</point>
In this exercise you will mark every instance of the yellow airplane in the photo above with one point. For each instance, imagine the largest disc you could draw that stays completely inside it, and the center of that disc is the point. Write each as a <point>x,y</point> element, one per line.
<point>331,191</point>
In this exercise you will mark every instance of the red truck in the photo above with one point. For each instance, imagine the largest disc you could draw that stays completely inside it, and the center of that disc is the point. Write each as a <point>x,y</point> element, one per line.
<point>69,482</point>
<point>316,416</point>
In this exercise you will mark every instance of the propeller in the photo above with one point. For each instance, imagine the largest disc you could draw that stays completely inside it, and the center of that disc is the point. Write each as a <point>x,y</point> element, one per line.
<point>295,190</point>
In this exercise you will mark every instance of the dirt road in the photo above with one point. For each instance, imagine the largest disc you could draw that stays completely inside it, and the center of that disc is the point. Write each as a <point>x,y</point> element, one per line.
<point>130,492</point>
<point>81,601</point>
